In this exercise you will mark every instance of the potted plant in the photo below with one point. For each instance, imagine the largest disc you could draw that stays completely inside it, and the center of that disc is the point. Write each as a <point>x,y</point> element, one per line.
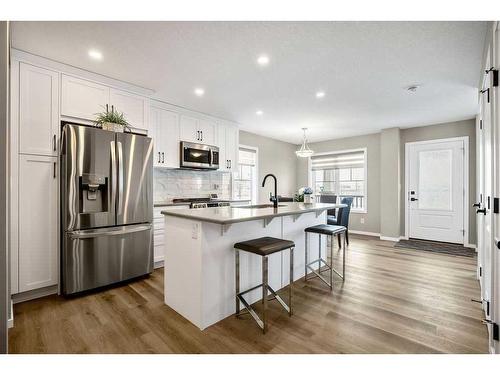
<point>113,121</point>
<point>304,195</point>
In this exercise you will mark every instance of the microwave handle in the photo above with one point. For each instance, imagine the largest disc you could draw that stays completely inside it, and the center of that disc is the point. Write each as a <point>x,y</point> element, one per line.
<point>210,156</point>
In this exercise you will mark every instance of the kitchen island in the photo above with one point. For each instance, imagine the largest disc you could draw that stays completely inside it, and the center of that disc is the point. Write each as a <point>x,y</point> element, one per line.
<point>199,254</point>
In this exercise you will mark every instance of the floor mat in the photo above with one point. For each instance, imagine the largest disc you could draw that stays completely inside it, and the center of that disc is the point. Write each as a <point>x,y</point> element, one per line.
<point>437,247</point>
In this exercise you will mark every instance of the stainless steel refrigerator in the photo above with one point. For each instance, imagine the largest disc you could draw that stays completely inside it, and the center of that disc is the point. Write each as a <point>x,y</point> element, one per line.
<point>107,207</point>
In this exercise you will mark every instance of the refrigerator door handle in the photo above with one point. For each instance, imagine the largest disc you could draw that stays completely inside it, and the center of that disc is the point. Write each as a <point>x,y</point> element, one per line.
<point>99,233</point>
<point>120,179</point>
<point>113,173</point>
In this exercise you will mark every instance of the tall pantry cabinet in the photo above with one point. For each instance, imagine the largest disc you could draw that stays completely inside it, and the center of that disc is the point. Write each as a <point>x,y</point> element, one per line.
<point>34,168</point>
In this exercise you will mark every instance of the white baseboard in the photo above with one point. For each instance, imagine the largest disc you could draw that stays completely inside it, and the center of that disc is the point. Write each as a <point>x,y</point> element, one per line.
<point>158,264</point>
<point>10,321</point>
<point>364,233</point>
<point>34,294</point>
<point>471,245</point>
<point>392,239</point>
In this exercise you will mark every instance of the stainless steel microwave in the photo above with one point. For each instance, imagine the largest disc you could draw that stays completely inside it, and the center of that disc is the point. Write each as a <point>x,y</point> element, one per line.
<point>198,156</point>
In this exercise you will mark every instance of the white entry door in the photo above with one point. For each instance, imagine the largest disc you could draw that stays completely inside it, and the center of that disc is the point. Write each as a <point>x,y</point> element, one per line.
<point>436,191</point>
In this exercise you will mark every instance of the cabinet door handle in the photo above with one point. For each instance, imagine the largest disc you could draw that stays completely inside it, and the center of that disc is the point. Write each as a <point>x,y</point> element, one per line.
<point>107,108</point>
<point>54,142</point>
<point>163,157</point>
<point>197,135</point>
<point>201,132</point>
<point>55,166</point>
<point>159,157</point>
<point>230,164</point>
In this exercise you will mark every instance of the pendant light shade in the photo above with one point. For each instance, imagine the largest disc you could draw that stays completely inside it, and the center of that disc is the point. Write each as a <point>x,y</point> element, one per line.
<point>304,151</point>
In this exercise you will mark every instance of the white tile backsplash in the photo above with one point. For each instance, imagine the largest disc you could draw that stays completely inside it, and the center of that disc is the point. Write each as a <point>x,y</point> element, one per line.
<point>177,183</point>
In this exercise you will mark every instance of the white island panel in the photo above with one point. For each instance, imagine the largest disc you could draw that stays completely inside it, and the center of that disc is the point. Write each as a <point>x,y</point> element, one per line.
<point>200,269</point>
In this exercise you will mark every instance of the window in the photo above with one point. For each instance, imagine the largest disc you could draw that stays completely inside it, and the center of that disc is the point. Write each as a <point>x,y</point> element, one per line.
<point>245,177</point>
<point>342,174</point>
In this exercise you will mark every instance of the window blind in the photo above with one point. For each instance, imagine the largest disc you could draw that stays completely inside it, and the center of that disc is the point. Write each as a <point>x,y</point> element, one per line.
<point>247,157</point>
<point>355,159</point>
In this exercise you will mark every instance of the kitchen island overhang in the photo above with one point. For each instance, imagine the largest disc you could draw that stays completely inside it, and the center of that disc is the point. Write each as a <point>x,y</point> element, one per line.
<point>199,254</point>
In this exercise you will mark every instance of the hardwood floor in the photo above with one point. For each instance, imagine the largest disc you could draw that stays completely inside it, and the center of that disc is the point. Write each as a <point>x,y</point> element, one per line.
<point>393,301</point>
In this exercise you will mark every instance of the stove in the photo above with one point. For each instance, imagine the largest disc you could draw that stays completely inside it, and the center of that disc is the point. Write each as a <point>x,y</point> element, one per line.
<point>201,202</point>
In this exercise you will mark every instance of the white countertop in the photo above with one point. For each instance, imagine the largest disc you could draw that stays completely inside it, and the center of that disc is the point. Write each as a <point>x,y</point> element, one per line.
<point>230,215</point>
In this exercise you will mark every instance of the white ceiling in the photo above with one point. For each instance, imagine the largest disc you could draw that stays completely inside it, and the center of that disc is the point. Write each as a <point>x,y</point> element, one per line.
<point>363,67</point>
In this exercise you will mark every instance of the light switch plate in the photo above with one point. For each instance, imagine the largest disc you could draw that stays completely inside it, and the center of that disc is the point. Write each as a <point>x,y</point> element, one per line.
<point>194,231</point>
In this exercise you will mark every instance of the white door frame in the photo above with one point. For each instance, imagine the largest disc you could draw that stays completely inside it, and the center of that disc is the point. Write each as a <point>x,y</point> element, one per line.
<point>465,140</point>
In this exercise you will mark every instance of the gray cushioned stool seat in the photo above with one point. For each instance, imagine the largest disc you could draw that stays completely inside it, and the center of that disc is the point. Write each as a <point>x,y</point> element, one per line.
<point>326,229</point>
<point>264,246</point>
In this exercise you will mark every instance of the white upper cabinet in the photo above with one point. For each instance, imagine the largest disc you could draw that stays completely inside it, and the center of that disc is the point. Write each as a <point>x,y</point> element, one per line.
<point>164,129</point>
<point>208,132</point>
<point>38,223</point>
<point>228,144</point>
<point>198,130</point>
<point>85,99</point>
<point>38,110</point>
<point>134,107</point>
<point>189,129</point>
<point>82,99</point>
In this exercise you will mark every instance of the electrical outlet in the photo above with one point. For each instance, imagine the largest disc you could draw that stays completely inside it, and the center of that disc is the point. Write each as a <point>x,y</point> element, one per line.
<point>362,220</point>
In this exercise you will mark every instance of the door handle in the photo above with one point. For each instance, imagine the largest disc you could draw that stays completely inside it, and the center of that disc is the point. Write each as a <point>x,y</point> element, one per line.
<point>476,205</point>
<point>120,178</point>
<point>413,199</point>
<point>481,211</point>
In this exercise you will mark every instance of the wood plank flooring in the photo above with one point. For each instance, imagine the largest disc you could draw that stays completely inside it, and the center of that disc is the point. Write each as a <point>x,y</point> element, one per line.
<point>393,301</point>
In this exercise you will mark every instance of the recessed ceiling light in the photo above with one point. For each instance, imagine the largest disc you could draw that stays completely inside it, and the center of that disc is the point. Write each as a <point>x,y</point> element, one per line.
<point>412,88</point>
<point>199,91</point>
<point>320,94</point>
<point>259,113</point>
<point>95,54</point>
<point>263,60</point>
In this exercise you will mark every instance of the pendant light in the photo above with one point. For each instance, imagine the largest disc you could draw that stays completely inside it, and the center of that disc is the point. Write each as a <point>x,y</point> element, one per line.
<point>304,151</point>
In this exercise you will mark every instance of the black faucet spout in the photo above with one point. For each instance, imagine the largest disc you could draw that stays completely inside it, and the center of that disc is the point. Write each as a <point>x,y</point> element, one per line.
<point>275,198</point>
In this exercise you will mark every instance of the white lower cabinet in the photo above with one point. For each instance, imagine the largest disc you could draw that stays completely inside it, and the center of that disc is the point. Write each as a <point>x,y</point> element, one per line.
<point>38,222</point>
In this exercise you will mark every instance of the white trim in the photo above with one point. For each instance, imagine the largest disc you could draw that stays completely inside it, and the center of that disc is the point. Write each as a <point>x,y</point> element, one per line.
<point>255,188</point>
<point>364,210</point>
<point>10,321</point>
<point>34,294</point>
<point>373,234</point>
<point>470,245</point>
<point>465,140</point>
<point>393,239</point>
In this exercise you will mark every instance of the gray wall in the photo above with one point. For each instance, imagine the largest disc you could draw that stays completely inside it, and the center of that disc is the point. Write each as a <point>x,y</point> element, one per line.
<point>372,143</point>
<point>447,130</point>
<point>4,79</point>
<point>383,173</point>
<point>275,157</point>
<point>390,182</point>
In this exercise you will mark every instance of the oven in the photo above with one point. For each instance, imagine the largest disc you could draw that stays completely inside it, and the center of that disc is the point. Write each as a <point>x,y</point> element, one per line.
<point>199,156</point>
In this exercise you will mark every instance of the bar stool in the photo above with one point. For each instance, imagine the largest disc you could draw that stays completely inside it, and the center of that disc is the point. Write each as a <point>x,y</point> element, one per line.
<point>264,247</point>
<point>332,231</point>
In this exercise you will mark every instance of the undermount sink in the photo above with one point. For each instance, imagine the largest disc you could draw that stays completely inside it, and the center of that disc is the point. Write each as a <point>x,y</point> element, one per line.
<point>262,206</point>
